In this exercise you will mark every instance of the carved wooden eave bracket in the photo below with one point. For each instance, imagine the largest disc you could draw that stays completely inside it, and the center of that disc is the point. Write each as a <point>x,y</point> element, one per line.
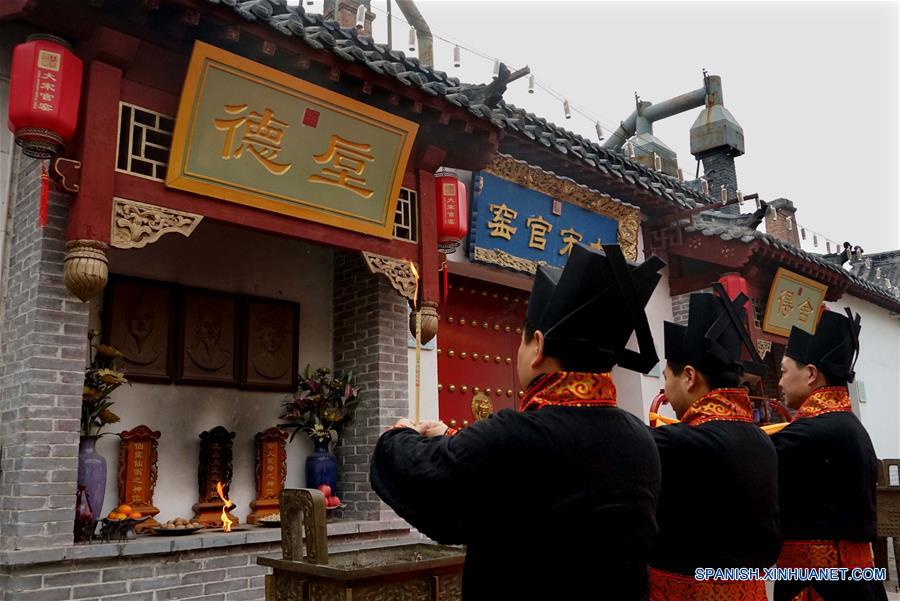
<point>137,224</point>
<point>398,272</point>
<point>66,174</point>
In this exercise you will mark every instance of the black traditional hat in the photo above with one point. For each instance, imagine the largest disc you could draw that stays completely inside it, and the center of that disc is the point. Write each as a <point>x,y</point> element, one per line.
<point>713,339</point>
<point>588,311</point>
<point>833,348</point>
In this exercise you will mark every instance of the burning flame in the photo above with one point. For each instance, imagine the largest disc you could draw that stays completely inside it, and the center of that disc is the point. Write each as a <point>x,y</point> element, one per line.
<point>226,523</point>
<point>415,272</point>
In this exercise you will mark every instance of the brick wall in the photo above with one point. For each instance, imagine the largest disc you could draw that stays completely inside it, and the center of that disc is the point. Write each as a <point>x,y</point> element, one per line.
<point>784,227</point>
<point>680,308</point>
<point>681,304</point>
<point>718,168</point>
<point>223,574</point>
<point>43,336</point>
<point>370,333</point>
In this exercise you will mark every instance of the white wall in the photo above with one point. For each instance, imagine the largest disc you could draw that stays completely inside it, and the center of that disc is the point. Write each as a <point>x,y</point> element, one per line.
<point>635,390</point>
<point>235,260</point>
<point>878,373</point>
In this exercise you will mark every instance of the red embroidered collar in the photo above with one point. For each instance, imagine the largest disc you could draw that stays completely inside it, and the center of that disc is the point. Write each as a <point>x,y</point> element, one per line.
<point>571,389</point>
<point>828,399</point>
<point>722,404</point>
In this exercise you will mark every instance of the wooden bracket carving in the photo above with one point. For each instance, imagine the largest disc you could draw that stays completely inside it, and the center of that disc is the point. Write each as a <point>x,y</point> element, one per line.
<point>137,224</point>
<point>398,272</point>
<point>66,174</point>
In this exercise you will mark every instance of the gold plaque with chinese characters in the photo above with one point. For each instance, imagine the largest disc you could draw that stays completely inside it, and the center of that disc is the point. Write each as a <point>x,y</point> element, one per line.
<point>137,472</point>
<point>253,135</point>
<point>794,300</point>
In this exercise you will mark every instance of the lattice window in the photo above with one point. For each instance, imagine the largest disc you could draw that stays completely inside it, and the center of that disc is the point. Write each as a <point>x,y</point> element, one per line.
<point>145,138</point>
<point>406,219</point>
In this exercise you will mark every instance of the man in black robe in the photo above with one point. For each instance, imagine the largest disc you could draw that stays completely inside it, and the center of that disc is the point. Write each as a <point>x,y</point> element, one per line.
<point>557,501</point>
<point>827,465</point>
<point>718,507</point>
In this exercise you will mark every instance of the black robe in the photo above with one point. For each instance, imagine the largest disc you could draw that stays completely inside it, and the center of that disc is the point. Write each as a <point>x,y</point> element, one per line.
<point>558,503</point>
<point>718,507</point>
<point>828,472</point>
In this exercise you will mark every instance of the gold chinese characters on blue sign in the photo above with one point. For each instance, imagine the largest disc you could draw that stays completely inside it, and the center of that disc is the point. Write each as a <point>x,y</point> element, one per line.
<point>521,227</point>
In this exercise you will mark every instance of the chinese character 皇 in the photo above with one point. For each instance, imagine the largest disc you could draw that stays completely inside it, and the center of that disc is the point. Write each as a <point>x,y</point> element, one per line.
<point>500,224</point>
<point>805,308</point>
<point>346,162</point>
<point>570,237</point>
<point>539,229</point>
<point>262,137</point>
<point>785,302</point>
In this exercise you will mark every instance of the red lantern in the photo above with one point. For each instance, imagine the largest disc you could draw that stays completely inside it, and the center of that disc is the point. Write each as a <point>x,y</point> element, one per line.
<point>44,92</point>
<point>452,211</point>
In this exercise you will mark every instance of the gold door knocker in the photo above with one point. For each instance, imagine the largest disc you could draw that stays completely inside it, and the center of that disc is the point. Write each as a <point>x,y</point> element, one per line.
<point>482,407</point>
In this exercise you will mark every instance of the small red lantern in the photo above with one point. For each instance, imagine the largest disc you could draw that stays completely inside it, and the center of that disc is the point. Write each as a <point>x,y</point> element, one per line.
<point>44,92</point>
<point>452,211</point>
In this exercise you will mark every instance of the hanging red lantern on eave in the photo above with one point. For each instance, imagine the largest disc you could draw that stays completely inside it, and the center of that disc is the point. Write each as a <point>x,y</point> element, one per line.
<point>452,211</point>
<point>44,92</point>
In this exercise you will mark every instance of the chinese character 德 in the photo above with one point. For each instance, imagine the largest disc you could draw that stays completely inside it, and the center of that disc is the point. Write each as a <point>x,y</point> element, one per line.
<point>346,162</point>
<point>570,237</point>
<point>539,229</point>
<point>262,137</point>
<point>500,224</point>
<point>785,302</point>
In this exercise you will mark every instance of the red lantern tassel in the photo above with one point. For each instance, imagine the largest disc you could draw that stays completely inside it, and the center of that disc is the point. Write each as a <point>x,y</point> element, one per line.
<point>45,191</point>
<point>445,292</point>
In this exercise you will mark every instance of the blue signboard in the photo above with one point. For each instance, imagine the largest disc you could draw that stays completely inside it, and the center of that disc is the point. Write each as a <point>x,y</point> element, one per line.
<point>510,222</point>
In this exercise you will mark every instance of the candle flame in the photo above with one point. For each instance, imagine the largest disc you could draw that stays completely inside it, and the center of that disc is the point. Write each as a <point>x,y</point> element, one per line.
<point>415,272</point>
<point>226,523</point>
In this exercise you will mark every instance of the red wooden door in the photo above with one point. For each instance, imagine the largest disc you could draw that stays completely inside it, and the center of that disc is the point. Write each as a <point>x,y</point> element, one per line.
<point>481,325</point>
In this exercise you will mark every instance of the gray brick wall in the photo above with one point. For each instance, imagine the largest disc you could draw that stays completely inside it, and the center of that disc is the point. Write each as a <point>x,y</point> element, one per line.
<point>718,168</point>
<point>680,308</point>
<point>43,334</point>
<point>224,574</point>
<point>681,305</point>
<point>370,333</point>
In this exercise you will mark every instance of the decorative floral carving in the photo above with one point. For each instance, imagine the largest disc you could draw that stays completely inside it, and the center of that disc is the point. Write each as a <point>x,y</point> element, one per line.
<point>398,272</point>
<point>137,224</point>
<point>562,188</point>
<point>763,347</point>
<point>503,259</point>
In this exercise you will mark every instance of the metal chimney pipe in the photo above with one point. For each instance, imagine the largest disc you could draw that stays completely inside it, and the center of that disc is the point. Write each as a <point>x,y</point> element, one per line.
<point>654,112</point>
<point>423,32</point>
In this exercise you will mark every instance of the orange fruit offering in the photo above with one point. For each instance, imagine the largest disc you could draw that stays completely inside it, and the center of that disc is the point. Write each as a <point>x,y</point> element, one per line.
<point>113,515</point>
<point>136,515</point>
<point>126,509</point>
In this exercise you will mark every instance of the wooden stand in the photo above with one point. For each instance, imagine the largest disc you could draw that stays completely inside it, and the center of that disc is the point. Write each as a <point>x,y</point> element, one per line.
<point>215,466</point>
<point>137,473</point>
<point>271,470</point>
